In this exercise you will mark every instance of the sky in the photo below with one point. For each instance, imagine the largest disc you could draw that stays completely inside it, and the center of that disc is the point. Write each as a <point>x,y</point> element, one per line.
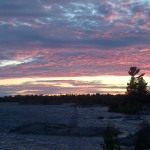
<point>72,46</point>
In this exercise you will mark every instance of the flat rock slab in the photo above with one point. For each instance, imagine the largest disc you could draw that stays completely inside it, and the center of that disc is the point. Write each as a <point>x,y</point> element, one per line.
<point>55,129</point>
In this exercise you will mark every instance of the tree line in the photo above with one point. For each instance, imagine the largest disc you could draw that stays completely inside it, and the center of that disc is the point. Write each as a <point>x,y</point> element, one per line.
<point>136,97</point>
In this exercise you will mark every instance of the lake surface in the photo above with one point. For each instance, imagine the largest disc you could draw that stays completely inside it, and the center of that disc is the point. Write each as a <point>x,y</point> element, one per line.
<point>13,115</point>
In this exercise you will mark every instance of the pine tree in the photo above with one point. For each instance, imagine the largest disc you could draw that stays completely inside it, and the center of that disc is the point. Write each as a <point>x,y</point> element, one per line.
<point>142,85</point>
<point>137,85</point>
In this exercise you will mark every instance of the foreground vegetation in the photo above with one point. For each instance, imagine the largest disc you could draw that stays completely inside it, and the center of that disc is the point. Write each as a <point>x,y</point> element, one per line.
<point>141,138</point>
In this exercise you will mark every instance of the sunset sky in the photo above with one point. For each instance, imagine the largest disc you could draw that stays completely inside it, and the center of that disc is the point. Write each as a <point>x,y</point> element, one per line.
<point>72,46</point>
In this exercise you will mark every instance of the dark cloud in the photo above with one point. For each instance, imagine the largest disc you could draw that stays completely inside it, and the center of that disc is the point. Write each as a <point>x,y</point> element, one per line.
<point>57,20</point>
<point>20,8</point>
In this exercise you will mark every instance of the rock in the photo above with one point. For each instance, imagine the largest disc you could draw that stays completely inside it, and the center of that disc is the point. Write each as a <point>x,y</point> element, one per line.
<point>127,141</point>
<point>55,129</point>
<point>101,117</point>
<point>115,117</point>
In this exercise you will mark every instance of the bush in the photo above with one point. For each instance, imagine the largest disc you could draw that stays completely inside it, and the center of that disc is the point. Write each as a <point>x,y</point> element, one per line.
<point>143,136</point>
<point>110,138</point>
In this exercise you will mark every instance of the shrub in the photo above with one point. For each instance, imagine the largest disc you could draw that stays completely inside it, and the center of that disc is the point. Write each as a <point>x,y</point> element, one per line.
<point>110,138</point>
<point>143,136</point>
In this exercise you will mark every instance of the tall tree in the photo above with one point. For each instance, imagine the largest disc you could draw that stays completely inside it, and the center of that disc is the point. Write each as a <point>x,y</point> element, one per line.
<point>133,71</point>
<point>137,85</point>
<point>132,85</point>
<point>142,85</point>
